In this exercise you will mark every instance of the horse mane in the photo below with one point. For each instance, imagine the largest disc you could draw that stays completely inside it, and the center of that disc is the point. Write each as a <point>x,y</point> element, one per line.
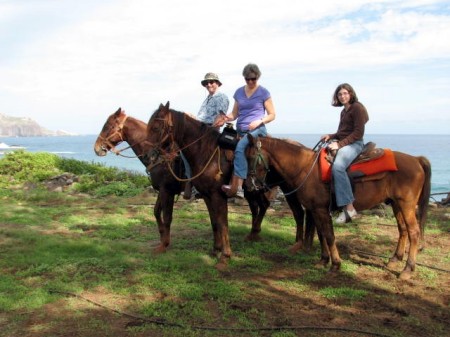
<point>273,143</point>
<point>142,126</point>
<point>182,117</point>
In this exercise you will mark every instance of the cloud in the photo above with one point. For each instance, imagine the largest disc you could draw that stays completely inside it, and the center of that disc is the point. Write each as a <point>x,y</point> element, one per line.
<point>70,65</point>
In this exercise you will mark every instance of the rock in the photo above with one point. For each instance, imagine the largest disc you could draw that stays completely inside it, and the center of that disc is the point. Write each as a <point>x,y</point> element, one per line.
<point>61,182</point>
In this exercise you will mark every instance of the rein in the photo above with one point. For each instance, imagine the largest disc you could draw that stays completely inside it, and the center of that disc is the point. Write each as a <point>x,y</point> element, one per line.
<point>167,132</point>
<point>266,167</point>
<point>307,175</point>
<point>319,145</point>
<point>202,170</point>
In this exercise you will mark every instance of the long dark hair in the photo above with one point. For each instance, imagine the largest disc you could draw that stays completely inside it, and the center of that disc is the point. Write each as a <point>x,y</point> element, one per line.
<point>353,98</point>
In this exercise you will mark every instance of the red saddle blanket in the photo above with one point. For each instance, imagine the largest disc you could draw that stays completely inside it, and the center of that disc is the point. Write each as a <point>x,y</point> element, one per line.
<point>382,164</point>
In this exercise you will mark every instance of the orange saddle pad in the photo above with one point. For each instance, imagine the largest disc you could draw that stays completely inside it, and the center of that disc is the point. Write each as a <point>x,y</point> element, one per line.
<point>381,164</point>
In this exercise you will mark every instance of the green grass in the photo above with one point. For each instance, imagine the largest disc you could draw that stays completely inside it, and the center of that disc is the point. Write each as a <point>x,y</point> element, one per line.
<point>101,244</point>
<point>76,244</point>
<point>346,294</point>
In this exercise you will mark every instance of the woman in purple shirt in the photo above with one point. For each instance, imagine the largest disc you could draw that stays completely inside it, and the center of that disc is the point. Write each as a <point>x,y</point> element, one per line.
<point>253,108</point>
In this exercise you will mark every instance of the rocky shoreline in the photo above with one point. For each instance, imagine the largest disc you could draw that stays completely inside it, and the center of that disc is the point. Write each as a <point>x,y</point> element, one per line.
<point>25,127</point>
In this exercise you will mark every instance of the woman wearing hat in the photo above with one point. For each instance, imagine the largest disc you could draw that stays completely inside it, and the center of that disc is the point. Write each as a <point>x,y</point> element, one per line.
<point>215,103</point>
<point>253,108</point>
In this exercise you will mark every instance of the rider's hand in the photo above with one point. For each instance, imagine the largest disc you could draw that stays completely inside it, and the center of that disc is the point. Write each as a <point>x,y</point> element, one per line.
<point>325,138</point>
<point>220,120</point>
<point>333,146</point>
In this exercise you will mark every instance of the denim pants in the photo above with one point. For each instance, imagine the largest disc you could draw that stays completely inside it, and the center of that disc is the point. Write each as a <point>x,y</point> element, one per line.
<point>344,158</point>
<point>240,161</point>
<point>187,167</point>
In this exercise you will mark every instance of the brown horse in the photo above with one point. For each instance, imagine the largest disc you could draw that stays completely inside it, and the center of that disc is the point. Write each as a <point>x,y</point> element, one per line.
<point>119,128</point>
<point>169,129</point>
<point>403,189</point>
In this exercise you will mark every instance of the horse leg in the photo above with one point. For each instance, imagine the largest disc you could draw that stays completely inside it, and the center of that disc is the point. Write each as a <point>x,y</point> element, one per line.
<point>218,214</point>
<point>414,234</point>
<point>299,214</point>
<point>324,249</point>
<point>329,247</point>
<point>402,236</point>
<point>258,204</point>
<point>310,228</point>
<point>164,205</point>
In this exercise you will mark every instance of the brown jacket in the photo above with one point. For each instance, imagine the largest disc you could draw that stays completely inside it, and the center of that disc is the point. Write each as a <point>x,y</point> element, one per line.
<point>351,125</point>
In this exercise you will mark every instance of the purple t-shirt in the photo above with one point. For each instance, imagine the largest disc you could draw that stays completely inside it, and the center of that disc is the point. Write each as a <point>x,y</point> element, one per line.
<point>250,108</point>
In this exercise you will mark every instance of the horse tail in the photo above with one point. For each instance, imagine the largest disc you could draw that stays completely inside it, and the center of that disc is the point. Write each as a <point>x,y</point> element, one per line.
<point>424,198</point>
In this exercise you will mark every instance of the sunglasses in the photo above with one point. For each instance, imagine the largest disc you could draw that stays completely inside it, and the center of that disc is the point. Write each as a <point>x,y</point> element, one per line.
<point>251,79</point>
<point>209,82</point>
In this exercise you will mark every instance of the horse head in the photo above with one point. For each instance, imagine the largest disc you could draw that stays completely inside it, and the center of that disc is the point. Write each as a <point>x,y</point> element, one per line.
<point>160,133</point>
<point>258,165</point>
<point>160,126</point>
<point>111,134</point>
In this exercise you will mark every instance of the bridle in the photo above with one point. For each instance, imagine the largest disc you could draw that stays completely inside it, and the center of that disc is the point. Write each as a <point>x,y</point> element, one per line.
<point>168,154</point>
<point>256,182</point>
<point>118,131</point>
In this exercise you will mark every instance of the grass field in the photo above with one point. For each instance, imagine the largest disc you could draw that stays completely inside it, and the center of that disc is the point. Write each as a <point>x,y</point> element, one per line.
<point>75,265</point>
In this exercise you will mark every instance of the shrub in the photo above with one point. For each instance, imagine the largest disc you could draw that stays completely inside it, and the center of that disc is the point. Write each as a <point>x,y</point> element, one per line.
<point>27,166</point>
<point>22,166</point>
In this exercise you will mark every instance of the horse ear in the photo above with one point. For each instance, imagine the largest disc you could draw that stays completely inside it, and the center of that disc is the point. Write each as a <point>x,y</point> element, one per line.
<point>118,111</point>
<point>163,109</point>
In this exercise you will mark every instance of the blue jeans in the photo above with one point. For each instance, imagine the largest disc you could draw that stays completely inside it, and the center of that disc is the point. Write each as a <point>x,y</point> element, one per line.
<point>240,161</point>
<point>187,167</point>
<point>344,158</point>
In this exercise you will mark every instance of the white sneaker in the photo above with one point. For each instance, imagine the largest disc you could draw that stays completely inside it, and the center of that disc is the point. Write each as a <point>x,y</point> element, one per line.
<point>240,193</point>
<point>346,216</point>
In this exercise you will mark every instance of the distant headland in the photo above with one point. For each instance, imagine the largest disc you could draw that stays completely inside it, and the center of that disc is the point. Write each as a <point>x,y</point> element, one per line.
<point>25,127</point>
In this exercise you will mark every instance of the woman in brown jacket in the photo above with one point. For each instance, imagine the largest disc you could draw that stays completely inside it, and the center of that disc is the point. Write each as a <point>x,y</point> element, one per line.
<point>348,141</point>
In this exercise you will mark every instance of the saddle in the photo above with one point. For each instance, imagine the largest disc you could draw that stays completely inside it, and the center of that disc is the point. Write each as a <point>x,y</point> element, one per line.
<point>229,138</point>
<point>371,161</point>
<point>369,152</point>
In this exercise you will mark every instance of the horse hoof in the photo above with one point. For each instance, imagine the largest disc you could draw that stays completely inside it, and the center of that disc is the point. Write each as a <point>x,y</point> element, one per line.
<point>295,248</point>
<point>215,253</point>
<point>334,268</point>
<point>222,265</point>
<point>391,264</point>
<point>307,248</point>
<point>404,275</point>
<point>159,250</point>
<point>321,264</point>
<point>253,238</point>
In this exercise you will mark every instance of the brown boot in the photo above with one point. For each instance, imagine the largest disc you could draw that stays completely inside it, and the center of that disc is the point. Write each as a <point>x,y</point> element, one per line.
<point>187,191</point>
<point>235,187</point>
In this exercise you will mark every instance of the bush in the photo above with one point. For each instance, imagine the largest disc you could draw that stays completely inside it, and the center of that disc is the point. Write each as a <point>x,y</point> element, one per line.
<point>26,166</point>
<point>21,166</point>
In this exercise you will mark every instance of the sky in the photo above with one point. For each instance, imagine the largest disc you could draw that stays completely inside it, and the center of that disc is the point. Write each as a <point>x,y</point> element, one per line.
<point>69,64</point>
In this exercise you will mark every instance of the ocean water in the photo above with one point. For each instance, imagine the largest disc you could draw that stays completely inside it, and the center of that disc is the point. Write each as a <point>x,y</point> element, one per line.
<point>435,147</point>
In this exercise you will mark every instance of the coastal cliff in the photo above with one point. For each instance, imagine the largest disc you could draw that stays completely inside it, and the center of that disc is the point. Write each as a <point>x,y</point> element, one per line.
<point>24,127</point>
